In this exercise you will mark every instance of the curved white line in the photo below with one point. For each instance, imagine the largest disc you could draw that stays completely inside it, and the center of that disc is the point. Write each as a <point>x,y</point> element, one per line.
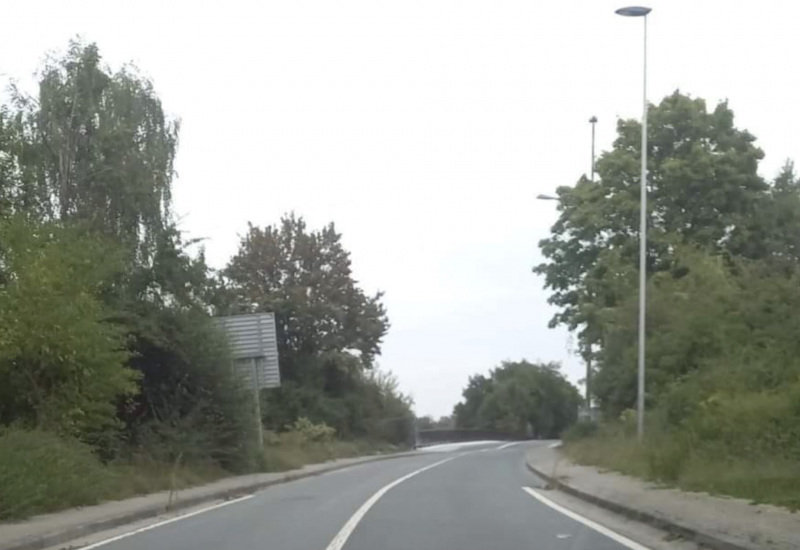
<point>341,537</point>
<point>625,541</point>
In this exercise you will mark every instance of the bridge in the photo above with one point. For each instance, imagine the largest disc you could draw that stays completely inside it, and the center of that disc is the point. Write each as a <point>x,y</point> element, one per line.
<point>425,438</point>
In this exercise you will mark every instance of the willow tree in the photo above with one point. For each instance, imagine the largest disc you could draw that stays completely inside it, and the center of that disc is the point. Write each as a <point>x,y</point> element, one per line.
<point>97,147</point>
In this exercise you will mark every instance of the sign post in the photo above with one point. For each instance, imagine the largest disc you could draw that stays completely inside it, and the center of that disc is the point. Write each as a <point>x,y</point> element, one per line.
<point>257,397</point>
<point>254,347</point>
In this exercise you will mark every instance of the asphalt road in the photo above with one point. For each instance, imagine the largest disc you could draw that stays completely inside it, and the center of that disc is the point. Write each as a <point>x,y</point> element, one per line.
<point>466,499</point>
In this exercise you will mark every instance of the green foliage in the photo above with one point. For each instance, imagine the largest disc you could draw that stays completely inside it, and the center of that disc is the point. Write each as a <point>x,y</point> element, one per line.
<point>312,432</point>
<point>306,279</point>
<point>670,459</point>
<point>42,472</point>
<point>63,364</point>
<point>97,147</point>
<point>329,331</point>
<point>723,378</point>
<point>291,449</point>
<point>704,190</point>
<point>442,423</point>
<point>519,398</point>
<point>103,303</point>
<point>106,336</point>
<point>580,430</point>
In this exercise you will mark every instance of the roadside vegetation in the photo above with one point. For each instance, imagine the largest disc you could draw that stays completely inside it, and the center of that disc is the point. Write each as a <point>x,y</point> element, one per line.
<point>114,379</point>
<point>723,374</point>
<point>519,398</point>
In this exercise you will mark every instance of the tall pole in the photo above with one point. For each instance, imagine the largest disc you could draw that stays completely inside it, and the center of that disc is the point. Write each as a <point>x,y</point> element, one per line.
<point>588,357</point>
<point>642,250</point>
<point>593,121</point>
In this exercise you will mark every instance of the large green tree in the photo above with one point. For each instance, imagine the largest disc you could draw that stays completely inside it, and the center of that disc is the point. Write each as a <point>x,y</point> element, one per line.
<point>96,146</point>
<point>329,330</point>
<point>92,153</point>
<point>703,189</point>
<point>519,398</point>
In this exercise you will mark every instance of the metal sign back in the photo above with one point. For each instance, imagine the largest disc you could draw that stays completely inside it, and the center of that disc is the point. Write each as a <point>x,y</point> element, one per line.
<point>254,346</point>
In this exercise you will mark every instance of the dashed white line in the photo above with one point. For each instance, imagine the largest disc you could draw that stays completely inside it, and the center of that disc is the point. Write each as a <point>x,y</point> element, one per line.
<point>165,522</point>
<point>341,537</point>
<point>589,523</point>
<point>506,446</point>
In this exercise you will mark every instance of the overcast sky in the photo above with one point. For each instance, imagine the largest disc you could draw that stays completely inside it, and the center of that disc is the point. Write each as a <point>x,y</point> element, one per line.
<point>424,130</point>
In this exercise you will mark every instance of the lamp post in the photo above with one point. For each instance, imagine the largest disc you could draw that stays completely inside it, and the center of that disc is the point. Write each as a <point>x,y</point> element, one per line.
<point>588,356</point>
<point>593,122</point>
<point>640,11</point>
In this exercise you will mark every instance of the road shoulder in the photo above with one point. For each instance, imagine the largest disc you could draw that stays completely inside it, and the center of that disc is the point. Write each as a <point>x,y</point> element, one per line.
<point>715,522</point>
<point>62,527</point>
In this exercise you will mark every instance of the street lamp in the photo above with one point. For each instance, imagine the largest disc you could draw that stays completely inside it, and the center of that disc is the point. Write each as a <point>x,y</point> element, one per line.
<point>543,197</point>
<point>640,11</point>
<point>593,122</point>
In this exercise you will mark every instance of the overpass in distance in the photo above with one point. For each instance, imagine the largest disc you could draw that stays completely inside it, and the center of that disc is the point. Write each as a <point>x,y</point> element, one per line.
<point>425,438</point>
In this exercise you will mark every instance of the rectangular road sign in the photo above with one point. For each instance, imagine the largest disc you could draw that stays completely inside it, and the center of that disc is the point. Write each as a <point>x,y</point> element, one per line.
<point>254,346</point>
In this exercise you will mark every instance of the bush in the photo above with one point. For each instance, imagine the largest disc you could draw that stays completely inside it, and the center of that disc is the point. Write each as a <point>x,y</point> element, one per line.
<point>308,443</point>
<point>580,430</point>
<point>310,432</point>
<point>41,472</point>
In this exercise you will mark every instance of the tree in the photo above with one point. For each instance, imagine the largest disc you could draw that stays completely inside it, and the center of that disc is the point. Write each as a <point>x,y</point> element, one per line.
<point>713,222</point>
<point>92,154</point>
<point>329,330</point>
<point>98,147</point>
<point>467,411</point>
<point>519,398</point>
<point>704,189</point>
<point>62,362</point>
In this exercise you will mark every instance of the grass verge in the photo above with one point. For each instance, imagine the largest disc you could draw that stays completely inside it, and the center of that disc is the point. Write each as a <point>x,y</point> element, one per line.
<point>670,461</point>
<point>41,472</point>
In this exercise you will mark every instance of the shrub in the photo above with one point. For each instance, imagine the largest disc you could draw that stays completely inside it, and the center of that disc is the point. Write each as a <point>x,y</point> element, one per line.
<point>42,472</point>
<point>580,430</point>
<point>308,431</point>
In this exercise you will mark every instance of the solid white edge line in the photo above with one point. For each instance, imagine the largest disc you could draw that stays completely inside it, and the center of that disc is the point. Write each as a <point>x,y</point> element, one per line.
<point>165,522</point>
<point>347,529</point>
<point>586,521</point>
<point>506,446</point>
<point>555,445</point>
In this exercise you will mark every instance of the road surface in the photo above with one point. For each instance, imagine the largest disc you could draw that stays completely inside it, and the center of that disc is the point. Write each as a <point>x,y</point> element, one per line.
<point>470,498</point>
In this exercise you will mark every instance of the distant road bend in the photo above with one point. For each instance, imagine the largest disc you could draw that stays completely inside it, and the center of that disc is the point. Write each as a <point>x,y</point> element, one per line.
<point>455,497</point>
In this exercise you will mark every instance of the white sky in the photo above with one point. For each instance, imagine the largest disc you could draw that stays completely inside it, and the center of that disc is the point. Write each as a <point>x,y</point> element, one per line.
<point>424,130</point>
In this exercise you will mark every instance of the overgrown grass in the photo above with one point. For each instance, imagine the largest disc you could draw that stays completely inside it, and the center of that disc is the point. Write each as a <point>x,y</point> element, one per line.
<point>290,450</point>
<point>41,472</point>
<point>671,460</point>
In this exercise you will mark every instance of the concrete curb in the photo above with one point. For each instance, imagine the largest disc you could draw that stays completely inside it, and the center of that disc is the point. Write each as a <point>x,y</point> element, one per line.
<point>689,533</point>
<point>39,542</point>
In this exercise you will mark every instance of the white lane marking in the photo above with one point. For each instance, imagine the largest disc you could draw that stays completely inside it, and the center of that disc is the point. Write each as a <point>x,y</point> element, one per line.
<point>506,446</point>
<point>341,537</point>
<point>555,445</point>
<point>589,523</point>
<point>165,522</point>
